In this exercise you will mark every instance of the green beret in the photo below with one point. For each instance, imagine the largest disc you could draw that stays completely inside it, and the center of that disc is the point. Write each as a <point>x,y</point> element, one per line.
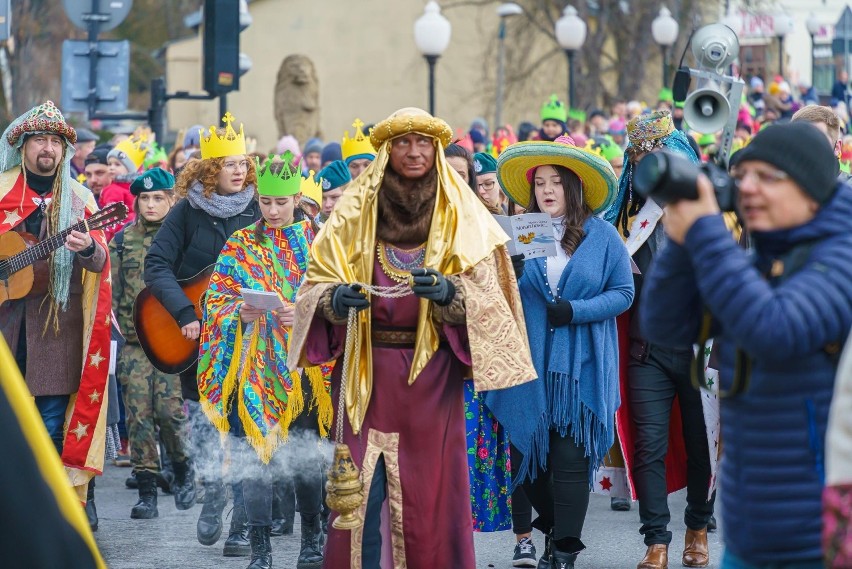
<point>334,176</point>
<point>152,180</point>
<point>484,163</point>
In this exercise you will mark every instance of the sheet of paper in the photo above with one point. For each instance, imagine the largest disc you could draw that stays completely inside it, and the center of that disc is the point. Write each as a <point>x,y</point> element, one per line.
<point>506,224</point>
<point>262,299</point>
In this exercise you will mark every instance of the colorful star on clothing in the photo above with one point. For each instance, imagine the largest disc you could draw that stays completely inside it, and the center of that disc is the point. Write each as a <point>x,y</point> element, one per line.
<point>605,483</point>
<point>644,224</point>
<point>81,430</point>
<point>96,359</point>
<point>94,396</point>
<point>12,217</point>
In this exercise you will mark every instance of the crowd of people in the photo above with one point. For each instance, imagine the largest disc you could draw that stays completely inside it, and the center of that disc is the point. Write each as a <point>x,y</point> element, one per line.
<point>664,344</point>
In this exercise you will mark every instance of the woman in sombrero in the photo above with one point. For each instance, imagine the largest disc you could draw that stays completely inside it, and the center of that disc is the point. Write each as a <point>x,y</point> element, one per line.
<point>570,303</point>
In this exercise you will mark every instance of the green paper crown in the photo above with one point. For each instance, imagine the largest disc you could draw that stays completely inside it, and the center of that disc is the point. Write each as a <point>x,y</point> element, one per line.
<point>577,115</point>
<point>554,110</point>
<point>278,181</point>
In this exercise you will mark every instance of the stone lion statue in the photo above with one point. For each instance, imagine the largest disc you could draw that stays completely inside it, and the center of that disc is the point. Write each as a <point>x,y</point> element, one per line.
<point>297,99</point>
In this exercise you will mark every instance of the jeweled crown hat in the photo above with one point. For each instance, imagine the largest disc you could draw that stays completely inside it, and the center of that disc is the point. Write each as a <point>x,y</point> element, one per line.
<point>358,146</point>
<point>554,110</point>
<point>409,120</point>
<point>516,166</point>
<point>231,144</point>
<point>285,182</point>
<point>647,131</point>
<point>43,119</point>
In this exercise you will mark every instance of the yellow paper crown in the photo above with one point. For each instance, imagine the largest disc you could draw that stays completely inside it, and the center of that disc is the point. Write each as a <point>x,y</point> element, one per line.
<point>358,146</point>
<point>311,188</point>
<point>232,144</point>
<point>135,147</point>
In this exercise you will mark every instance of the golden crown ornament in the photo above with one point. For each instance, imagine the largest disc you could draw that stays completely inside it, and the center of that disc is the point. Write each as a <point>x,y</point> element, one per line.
<point>359,145</point>
<point>231,144</point>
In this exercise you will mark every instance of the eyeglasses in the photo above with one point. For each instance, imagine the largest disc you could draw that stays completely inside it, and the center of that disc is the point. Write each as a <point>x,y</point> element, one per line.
<point>487,185</point>
<point>763,175</point>
<point>234,166</point>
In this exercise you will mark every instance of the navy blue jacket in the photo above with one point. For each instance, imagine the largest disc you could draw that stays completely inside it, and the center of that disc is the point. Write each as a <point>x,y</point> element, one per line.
<point>772,473</point>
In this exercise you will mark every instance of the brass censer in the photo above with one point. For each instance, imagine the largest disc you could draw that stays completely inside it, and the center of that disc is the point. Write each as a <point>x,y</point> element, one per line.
<point>344,489</point>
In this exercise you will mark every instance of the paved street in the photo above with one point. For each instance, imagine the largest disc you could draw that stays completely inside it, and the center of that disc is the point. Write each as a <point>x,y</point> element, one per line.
<point>169,542</point>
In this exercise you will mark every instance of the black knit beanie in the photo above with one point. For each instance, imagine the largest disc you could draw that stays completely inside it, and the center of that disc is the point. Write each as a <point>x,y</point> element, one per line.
<point>802,151</point>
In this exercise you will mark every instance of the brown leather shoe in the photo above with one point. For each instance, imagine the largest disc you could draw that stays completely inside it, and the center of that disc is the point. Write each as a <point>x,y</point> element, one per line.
<point>695,550</point>
<point>657,557</point>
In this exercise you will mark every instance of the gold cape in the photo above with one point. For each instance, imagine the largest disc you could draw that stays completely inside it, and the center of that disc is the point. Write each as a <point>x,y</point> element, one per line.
<point>464,240</point>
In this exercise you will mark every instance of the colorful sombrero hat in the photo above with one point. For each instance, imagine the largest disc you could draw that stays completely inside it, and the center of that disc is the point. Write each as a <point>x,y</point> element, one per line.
<point>516,165</point>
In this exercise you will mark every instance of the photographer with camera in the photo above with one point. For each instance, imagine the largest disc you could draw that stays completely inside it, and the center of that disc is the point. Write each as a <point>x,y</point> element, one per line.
<point>664,449</point>
<point>779,318</point>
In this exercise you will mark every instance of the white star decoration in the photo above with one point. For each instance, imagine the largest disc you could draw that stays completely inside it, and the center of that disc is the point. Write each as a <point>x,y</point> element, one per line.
<point>81,430</point>
<point>96,359</point>
<point>12,217</point>
<point>94,396</point>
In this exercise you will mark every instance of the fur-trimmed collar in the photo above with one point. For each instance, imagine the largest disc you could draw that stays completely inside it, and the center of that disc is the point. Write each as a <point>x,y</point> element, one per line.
<point>405,207</point>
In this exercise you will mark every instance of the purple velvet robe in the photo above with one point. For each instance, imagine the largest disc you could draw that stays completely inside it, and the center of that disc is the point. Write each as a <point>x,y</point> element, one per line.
<point>421,431</point>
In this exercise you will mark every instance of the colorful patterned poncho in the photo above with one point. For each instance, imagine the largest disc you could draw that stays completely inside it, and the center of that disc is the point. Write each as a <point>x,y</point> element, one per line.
<point>249,366</point>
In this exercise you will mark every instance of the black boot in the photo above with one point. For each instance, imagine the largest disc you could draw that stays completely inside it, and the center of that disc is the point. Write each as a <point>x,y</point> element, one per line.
<point>562,560</point>
<point>209,527</point>
<point>165,480</point>
<point>237,544</point>
<point>545,559</point>
<point>183,487</point>
<point>261,548</point>
<point>131,483</point>
<point>91,510</point>
<point>283,508</point>
<point>310,555</point>
<point>146,507</point>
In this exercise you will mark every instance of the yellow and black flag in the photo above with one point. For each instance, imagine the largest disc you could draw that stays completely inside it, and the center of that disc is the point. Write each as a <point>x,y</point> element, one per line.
<point>42,524</point>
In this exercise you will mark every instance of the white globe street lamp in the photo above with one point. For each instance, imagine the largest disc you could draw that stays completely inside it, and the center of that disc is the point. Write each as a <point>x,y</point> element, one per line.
<point>664,28</point>
<point>782,25</point>
<point>432,33</point>
<point>505,10</point>
<point>570,34</point>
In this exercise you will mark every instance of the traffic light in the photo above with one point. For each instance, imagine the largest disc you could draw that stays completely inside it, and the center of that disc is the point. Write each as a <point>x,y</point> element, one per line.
<point>223,62</point>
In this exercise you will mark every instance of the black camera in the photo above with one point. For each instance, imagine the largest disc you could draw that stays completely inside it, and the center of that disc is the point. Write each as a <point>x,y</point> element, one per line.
<point>668,177</point>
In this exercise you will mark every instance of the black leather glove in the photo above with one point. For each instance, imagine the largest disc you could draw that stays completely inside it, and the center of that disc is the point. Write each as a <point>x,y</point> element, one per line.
<point>560,313</point>
<point>518,265</point>
<point>346,297</point>
<point>432,285</point>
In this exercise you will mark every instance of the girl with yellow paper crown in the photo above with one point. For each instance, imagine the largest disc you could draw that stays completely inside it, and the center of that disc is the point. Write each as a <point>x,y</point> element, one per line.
<point>243,381</point>
<point>220,199</point>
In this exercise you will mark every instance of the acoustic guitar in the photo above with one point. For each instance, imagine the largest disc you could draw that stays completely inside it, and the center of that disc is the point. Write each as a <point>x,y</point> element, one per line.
<point>20,273</point>
<point>159,333</point>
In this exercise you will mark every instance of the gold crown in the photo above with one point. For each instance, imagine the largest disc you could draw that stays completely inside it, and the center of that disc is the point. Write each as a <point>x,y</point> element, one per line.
<point>135,147</point>
<point>311,188</point>
<point>232,144</point>
<point>359,144</point>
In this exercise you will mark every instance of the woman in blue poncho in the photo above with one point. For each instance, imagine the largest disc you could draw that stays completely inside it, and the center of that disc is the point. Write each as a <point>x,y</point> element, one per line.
<point>570,303</point>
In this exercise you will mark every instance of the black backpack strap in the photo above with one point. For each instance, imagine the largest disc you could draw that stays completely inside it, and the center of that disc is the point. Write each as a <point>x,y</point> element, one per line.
<point>118,239</point>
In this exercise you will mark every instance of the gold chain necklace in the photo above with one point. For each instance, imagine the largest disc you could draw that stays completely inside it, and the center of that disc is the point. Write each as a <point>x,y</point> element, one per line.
<point>398,263</point>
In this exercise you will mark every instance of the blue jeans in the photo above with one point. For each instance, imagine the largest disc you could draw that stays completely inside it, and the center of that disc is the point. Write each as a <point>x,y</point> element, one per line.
<point>52,410</point>
<point>731,561</point>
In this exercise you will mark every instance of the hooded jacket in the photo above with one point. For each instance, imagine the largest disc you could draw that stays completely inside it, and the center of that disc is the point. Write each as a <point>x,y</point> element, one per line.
<point>773,469</point>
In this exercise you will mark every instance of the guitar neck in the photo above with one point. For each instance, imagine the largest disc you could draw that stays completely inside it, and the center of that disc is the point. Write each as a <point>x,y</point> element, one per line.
<point>43,249</point>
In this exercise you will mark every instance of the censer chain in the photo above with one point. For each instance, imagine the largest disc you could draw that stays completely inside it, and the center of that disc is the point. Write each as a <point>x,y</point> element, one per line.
<point>352,347</point>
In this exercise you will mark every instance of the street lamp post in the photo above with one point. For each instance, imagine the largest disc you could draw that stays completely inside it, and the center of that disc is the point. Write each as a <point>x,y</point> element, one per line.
<point>783,25</point>
<point>504,11</point>
<point>664,28</point>
<point>570,34</point>
<point>814,27</point>
<point>432,36</point>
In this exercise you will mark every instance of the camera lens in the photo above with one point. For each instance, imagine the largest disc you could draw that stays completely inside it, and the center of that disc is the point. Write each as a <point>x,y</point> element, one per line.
<point>649,173</point>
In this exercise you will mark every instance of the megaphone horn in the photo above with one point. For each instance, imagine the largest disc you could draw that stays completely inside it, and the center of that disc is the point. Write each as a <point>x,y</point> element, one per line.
<point>706,110</point>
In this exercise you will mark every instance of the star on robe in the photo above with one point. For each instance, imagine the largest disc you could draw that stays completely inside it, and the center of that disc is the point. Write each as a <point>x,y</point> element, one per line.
<point>81,430</point>
<point>605,483</point>
<point>12,217</point>
<point>96,359</point>
<point>94,396</point>
<point>644,224</point>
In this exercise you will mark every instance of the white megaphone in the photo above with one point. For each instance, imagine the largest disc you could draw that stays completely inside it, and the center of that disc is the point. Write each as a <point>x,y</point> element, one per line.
<point>707,109</point>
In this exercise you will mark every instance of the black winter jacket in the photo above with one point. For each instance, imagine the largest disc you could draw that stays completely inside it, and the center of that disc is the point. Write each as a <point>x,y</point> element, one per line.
<point>189,241</point>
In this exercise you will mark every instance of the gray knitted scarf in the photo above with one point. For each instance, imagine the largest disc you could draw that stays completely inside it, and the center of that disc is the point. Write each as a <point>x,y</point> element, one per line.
<point>217,205</point>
